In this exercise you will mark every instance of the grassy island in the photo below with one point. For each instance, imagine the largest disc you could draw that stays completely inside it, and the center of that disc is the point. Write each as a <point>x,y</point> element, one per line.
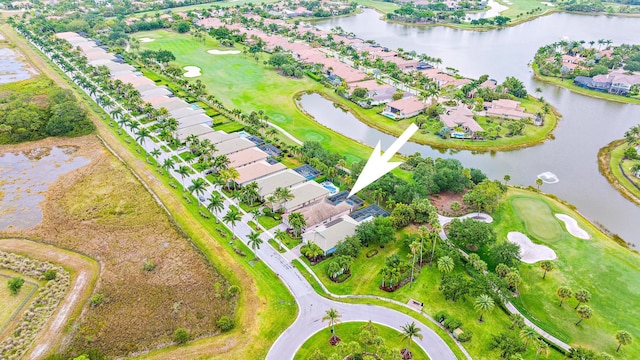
<point>619,162</point>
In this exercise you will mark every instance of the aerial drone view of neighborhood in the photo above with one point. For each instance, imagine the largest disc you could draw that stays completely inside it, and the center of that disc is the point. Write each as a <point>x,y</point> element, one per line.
<point>319,179</point>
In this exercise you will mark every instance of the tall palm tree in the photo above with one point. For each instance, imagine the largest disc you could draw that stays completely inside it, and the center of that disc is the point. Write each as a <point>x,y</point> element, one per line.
<point>232,217</point>
<point>255,215</point>
<point>563,293</point>
<point>408,332</point>
<point>284,195</point>
<point>547,266</point>
<point>183,171</point>
<point>280,235</point>
<point>445,265</point>
<point>583,296</point>
<point>415,247</point>
<point>542,347</point>
<point>216,204</point>
<point>168,164</point>
<point>623,338</point>
<point>584,312</point>
<point>142,135</point>
<point>484,303</point>
<point>254,240</point>
<point>197,186</point>
<point>528,334</point>
<point>333,317</point>
<point>539,183</point>
<point>297,222</point>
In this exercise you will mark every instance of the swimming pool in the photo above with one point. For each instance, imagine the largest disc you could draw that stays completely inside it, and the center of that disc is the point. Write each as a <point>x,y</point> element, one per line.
<point>330,186</point>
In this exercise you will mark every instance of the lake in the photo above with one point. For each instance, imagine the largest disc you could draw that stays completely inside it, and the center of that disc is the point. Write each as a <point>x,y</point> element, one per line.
<point>587,124</point>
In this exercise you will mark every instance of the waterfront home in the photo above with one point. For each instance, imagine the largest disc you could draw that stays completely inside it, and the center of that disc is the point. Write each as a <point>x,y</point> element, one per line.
<point>461,117</point>
<point>404,108</point>
<point>378,93</point>
<point>506,108</point>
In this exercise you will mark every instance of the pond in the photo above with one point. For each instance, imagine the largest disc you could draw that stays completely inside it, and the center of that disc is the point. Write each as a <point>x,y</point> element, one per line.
<point>12,67</point>
<point>26,176</point>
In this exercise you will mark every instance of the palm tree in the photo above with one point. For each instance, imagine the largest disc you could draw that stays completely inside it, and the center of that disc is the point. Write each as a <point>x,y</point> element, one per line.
<point>445,265</point>
<point>297,222</point>
<point>507,178</point>
<point>546,265</point>
<point>528,334</point>
<point>280,235</point>
<point>583,296</point>
<point>167,164</point>
<point>378,195</point>
<point>484,303</point>
<point>142,135</point>
<point>155,153</point>
<point>517,321</point>
<point>415,247</point>
<point>232,217</point>
<point>254,240</point>
<point>216,204</point>
<point>408,332</point>
<point>623,338</point>
<point>539,183</point>
<point>183,171</point>
<point>333,317</point>
<point>197,186</point>
<point>284,195</point>
<point>255,215</point>
<point>584,312</point>
<point>542,347</point>
<point>563,293</point>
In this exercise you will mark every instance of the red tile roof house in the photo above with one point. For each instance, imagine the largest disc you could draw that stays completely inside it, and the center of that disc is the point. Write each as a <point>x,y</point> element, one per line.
<point>507,108</point>
<point>378,93</point>
<point>404,108</point>
<point>463,117</point>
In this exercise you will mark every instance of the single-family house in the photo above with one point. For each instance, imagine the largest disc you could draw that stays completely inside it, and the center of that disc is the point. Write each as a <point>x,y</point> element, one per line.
<point>305,194</point>
<point>257,170</point>
<point>246,157</point>
<point>284,179</point>
<point>232,145</point>
<point>506,108</point>
<point>327,236</point>
<point>197,130</point>
<point>461,117</point>
<point>194,120</point>
<point>404,108</point>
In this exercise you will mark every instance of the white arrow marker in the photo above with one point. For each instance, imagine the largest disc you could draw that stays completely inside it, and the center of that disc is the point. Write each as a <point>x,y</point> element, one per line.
<point>378,164</point>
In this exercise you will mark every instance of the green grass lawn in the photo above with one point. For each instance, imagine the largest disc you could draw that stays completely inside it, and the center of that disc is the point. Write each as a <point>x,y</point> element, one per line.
<point>349,332</point>
<point>610,272</point>
<point>532,134</point>
<point>537,218</point>
<point>568,84</point>
<point>366,279</point>
<point>616,157</point>
<point>268,222</point>
<point>380,6</point>
<point>239,81</point>
<point>12,304</point>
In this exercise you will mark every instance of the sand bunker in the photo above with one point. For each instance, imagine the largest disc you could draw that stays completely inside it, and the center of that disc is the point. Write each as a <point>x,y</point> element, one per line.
<point>548,177</point>
<point>223,52</point>
<point>572,227</point>
<point>192,71</point>
<point>530,252</point>
<point>146,40</point>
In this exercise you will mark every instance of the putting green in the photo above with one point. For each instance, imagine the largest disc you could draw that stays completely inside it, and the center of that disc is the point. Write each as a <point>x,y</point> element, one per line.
<point>537,217</point>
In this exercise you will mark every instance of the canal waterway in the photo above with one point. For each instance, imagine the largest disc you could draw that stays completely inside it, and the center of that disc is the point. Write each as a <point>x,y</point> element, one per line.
<point>587,124</point>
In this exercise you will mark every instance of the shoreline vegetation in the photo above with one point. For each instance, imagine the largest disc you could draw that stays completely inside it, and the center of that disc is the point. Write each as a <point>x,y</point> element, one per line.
<point>609,158</point>
<point>432,140</point>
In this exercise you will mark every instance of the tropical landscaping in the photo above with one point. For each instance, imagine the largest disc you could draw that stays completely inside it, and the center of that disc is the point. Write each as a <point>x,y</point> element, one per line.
<point>619,162</point>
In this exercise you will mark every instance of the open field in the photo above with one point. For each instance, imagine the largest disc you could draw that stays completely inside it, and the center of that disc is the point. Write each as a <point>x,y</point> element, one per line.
<point>102,210</point>
<point>349,332</point>
<point>608,159</point>
<point>599,265</point>
<point>12,305</point>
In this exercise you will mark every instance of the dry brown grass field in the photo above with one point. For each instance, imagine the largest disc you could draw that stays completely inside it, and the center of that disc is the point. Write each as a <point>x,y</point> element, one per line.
<point>103,211</point>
